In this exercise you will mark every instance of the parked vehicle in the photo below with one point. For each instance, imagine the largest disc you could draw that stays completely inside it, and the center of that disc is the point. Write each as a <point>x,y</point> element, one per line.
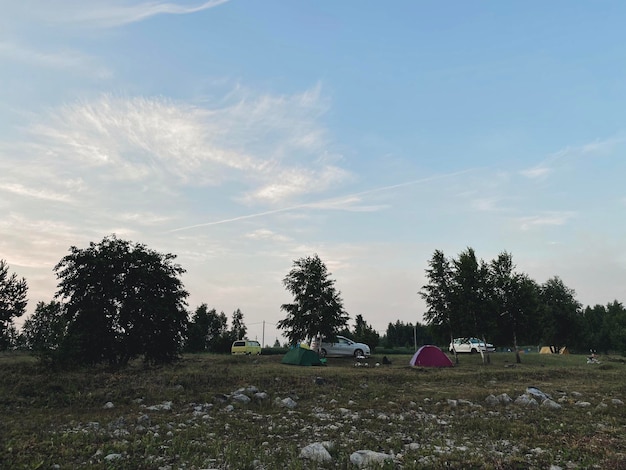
<point>341,347</point>
<point>245,346</point>
<point>470,345</point>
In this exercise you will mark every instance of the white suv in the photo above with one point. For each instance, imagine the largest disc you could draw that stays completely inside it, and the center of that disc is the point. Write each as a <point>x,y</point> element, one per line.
<point>470,345</point>
<point>341,347</point>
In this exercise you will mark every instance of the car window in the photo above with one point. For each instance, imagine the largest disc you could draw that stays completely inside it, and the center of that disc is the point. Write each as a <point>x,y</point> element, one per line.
<point>255,343</point>
<point>239,343</point>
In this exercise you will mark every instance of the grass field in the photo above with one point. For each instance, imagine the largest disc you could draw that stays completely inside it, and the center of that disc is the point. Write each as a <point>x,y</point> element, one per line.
<point>192,415</point>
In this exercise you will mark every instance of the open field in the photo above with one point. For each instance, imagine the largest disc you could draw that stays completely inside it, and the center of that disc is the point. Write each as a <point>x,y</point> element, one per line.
<point>191,416</point>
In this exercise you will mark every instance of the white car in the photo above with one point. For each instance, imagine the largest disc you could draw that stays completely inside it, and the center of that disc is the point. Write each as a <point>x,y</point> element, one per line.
<point>470,345</point>
<point>341,347</point>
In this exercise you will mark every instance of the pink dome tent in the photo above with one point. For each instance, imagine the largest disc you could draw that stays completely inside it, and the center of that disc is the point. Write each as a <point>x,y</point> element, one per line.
<point>430,356</point>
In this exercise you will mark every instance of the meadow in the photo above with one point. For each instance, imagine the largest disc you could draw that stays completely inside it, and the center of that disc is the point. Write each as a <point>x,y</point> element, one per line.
<point>225,412</point>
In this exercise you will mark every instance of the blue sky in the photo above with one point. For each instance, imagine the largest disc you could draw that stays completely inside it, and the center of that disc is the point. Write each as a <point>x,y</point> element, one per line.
<point>242,135</point>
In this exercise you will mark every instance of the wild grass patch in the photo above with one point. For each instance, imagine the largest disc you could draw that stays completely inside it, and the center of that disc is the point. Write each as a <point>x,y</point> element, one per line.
<point>185,416</point>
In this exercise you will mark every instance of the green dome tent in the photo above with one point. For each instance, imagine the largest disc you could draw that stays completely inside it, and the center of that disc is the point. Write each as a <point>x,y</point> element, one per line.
<point>301,357</point>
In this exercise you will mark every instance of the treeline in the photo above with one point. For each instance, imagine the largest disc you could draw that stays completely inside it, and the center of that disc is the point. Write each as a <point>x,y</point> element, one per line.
<point>466,296</point>
<point>118,300</point>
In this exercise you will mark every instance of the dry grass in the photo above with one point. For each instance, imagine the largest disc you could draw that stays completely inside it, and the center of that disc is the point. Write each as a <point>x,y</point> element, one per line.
<point>58,419</point>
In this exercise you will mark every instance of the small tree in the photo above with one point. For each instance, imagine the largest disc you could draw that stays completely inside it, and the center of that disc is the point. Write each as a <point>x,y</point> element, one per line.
<point>317,308</point>
<point>44,330</point>
<point>12,303</point>
<point>122,300</point>
<point>238,327</point>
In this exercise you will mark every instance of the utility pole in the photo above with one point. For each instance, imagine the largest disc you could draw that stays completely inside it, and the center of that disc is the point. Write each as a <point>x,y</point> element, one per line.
<point>263,340</point>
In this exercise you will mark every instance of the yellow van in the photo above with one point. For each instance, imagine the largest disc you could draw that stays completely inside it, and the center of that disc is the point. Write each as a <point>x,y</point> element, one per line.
<point>245,346</point>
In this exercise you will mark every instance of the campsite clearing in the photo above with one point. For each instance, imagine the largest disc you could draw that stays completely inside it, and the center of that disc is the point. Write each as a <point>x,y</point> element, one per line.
<point>245,412</point>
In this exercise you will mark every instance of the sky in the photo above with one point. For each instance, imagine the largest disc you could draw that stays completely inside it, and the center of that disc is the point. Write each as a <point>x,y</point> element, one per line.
<point>242,135</point>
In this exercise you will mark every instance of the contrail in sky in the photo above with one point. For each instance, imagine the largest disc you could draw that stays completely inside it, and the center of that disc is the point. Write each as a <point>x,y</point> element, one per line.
<point>319,203</point>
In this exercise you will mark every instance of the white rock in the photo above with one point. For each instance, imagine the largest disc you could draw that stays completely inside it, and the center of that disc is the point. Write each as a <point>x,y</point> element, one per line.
<point>505,399</point>
<point>617,401</point>
<point>316,452</point>
<point>491,400</point>
<point>535,392</point>
<point>288,403</point>
<point>526,400</point>
<point>582,404</point>
<point>112,457</point>
<point>551,404</point>
<point>241,398</point>
<point>366,458</point>
<point>108,405</point>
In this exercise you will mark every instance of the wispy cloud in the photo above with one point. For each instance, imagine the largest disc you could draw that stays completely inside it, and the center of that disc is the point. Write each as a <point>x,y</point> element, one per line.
<point>60,59</point>
<point>146,140</point>
<point>536,172</point>
<point>107,13</point>
<point>547,219</point>
<point>266,234</point>
<point>569,154</point>
<point>21,190</point>
<point>117,15</point>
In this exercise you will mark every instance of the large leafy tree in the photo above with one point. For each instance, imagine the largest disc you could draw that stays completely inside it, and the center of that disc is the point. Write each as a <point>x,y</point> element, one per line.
<point>12,302</point>
<point>123,300</point>
<point>514,296</point>
<point>470,294</point>
<point>317,308</point>
<point>560,314</point>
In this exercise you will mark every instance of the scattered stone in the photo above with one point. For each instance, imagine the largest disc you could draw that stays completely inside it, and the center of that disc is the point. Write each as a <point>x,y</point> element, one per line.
<point>144,419</point>
<point>112,457</point>
<point>108,405</point>
<point>261,396</point>
<point>617,401</point>
<point>165,406</point>
<point>582,404</point>
<point>319,381</point>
